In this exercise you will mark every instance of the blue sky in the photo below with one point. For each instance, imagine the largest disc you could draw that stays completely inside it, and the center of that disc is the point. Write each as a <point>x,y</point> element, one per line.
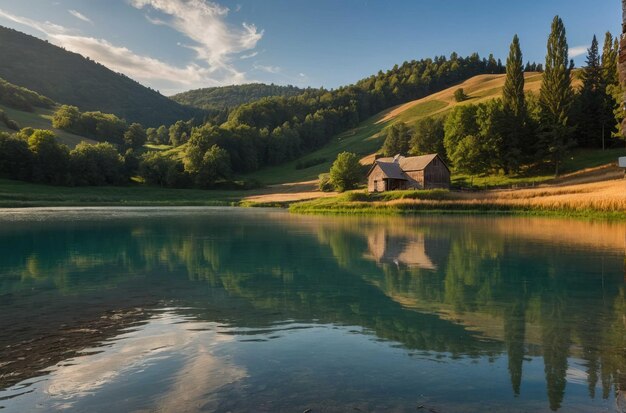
<point>175,45</point>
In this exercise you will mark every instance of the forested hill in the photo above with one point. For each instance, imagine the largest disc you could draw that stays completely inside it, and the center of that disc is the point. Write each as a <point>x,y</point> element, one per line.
<point>73,79</point>
<point>233,96</point>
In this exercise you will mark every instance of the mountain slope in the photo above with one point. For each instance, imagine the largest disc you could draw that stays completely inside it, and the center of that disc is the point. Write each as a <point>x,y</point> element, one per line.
<point>73,79</point>
<point>232,96</point>
<point>368,136</point>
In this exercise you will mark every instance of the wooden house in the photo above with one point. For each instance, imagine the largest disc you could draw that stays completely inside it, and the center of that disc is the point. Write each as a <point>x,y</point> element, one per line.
<point>408,172</point>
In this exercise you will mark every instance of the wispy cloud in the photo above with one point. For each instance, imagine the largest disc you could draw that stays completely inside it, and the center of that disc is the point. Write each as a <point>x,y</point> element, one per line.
<point>80,16</point>
<point>44,27</point>
<point>248,56</point>
<point>204,23</point>
<point>577,51</point>
<point>268,69</point>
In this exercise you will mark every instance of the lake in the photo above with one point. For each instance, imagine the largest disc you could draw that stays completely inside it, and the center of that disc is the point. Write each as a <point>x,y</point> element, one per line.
<point>259,310</point>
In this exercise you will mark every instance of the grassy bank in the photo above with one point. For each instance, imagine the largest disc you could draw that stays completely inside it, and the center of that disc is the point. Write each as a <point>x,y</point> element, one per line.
<point>600,199</point>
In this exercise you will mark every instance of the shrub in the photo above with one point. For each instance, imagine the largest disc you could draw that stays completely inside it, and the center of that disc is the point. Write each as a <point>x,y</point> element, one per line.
<point>459,95</point>
<point>346,171</point>
<point>325,185</point>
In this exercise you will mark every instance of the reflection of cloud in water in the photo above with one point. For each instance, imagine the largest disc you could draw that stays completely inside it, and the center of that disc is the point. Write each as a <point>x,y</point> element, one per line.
<point>410,252</point>
<point>165,336</point>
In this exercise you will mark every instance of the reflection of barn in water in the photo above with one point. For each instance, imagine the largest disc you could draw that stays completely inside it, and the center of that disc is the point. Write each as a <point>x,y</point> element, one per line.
<point>415,251</point>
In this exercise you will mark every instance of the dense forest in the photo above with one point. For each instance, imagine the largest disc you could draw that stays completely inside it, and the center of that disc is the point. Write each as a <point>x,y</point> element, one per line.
<point>73,79</point>
<point>228,97</point>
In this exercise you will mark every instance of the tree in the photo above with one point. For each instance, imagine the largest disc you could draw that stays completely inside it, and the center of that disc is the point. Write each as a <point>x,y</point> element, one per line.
<point>556,97</point>
<point>215,165</point>
<point>16,160</point>
<point>461,122</point>
<point>611,118</point>
<point>514,108</point>
<point>158,169</point>
<point>51,159</point>
<point>346,171</point>
<point>428,137</point>
<point>513,97</point>
<point>398,139</point>
<point>459,95</point>
<point>99,164</point>
<point>135,137</point>
<point>66,117</point>
<point>591,100</point>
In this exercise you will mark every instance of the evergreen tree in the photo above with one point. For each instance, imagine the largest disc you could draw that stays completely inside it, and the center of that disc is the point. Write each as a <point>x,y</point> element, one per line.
<point>513,92</point>
<point>555,98</point>
<point>398,140</point>
<point>611,89</point>
<point>514,107</point>
<point>591,100</point>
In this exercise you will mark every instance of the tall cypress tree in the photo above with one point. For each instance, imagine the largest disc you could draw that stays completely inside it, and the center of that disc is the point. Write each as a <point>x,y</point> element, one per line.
<point>555,98</point>
<point>591,99</point>
<point>513,93</point>
<point>610,84</point>
<point>514,105</point>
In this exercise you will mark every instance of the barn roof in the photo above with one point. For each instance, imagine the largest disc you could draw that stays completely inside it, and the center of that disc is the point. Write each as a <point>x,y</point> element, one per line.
<point>394,167</point>
<point>391,170</point>
<point>411,163</point>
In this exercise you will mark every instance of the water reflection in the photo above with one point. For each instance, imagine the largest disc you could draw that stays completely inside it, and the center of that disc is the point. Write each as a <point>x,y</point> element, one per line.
<point>512,292</point>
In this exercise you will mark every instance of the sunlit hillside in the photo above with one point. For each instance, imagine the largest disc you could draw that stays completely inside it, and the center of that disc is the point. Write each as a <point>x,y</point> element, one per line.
<point>367,138</point>
<point>41,118</point>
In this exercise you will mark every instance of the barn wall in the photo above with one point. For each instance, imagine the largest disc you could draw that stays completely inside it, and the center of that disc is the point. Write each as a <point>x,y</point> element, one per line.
<point>436,175</point>
<point>376,176</point>
<point>417,179</point>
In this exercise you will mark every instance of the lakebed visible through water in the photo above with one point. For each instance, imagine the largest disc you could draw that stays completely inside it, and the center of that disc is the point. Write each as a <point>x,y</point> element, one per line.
<point>231,310</point>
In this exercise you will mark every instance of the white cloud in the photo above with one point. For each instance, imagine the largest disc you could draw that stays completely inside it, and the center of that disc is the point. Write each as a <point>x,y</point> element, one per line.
<point>268,69</point>
<point>248,56</point>
<point>122,59</point>
<point>80,16</point>
<point>203,22</point>
<point>301,74</point>
<point>44,27</point>
<point>577,51</point>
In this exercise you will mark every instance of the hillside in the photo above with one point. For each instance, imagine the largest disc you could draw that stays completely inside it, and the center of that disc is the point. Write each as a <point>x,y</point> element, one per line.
<point>232,96</point>
<point>41,118</point>
<point>73,79</point>
<point>366,139</point>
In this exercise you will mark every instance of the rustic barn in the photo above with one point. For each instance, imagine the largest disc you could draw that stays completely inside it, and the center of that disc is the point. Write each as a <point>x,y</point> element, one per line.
<point>408,172</point>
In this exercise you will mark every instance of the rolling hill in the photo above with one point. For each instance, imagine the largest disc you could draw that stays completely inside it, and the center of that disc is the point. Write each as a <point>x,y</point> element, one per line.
<point>73,79</point>
<point>231,96</point>
<point>366,138</point>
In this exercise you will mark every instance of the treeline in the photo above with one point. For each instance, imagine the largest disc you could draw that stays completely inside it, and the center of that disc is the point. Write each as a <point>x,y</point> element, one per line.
<point>524,130</point>
<point>35,155</point>
<point>99,126</point>
<point>278,129</point>
<point>21,98</point>
<point>218,98</point>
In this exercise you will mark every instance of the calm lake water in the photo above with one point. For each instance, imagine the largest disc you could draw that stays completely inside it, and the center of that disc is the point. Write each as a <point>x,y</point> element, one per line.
<point>227,310</point>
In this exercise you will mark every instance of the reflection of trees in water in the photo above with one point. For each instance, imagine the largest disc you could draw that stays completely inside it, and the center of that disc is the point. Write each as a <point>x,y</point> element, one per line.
<point>321,272</point>
<point>555,288</point>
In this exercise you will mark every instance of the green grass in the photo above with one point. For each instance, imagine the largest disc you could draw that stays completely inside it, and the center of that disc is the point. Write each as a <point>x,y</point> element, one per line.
<point>422,110</point>
<point>22,194</point>
<point>41,119</point>
<point>362,203</point>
